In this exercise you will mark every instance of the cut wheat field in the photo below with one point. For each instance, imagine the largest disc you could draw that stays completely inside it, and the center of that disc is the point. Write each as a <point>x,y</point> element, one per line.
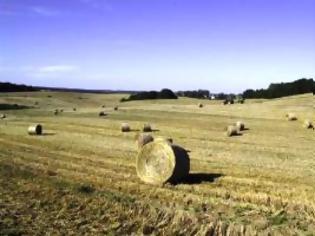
<point>79,177</point>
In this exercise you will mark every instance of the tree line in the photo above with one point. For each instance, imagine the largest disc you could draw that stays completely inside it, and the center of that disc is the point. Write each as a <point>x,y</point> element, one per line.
<point>277,90</point>
<point>9,87</point>
<point>194,93</point>
<point>163,94</point>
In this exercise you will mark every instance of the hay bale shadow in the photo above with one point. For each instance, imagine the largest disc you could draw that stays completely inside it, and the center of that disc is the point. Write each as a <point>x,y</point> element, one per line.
<point>246,129</point>
<point>48,134</point>
<point>134,130</point>
<point>150,131</point>
<point>198,178</point>
<point>182,166</point>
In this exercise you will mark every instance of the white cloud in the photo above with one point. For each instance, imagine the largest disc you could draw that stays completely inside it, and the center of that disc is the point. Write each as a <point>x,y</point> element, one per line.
<point>57,69</point>
<point>40,71</point>
<point>44,11</point>
<point>50,71</point>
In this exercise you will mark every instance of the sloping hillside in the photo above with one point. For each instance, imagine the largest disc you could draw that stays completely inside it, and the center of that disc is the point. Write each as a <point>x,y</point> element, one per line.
<point>80,178</point>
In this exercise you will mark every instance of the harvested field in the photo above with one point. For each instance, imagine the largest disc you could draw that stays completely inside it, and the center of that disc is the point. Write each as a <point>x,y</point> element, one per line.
<point>80,177</point>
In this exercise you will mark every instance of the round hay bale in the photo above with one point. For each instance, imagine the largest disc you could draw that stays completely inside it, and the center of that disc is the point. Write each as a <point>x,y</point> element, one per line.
<point>147,128</point>
<point>144,139</point>
<point>74,109</point>
<point>200,105</point>
<point>61,110</point>
<point>102,113</point>
<point>240,125</point>
<point>103,106</point>
<point>125,127</point>
<point>3,116</point>
<point>159,162</point>
<point>308,124</point>
<point>116,108</point>
<point>56,112</point>
<point>35,129</point>
<point>291,117</point>
<point>231,130</point>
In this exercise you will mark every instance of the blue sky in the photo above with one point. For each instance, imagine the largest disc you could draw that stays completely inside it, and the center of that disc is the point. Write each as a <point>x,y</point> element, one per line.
<point>220,45</point>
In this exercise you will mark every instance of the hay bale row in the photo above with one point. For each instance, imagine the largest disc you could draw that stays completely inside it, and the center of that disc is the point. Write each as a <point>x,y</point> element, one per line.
<point>159,162</point>
<point>234,129</point>
<point>147,128</point>
<point>125,127</point>
<point>231,130</point>
<point>35,129</point>
<point>308,124</point>
<point>240,126</point>
<point>291,116</point>
<point>101,113</point>
<point>57,111</point>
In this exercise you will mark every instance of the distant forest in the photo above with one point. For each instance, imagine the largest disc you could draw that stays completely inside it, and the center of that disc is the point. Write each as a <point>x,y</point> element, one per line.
<point>277,90</point>
<point>201,93</point>
<point>163,94</point>
<point>9,87</point>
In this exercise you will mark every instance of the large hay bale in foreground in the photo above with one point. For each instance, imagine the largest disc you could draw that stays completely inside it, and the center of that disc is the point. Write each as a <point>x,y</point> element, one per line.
<point>159,162</point>
<point>231,130</point>
<point>125,127</point>
<point>143,139</point>
<point>308,124</point>
<point>35,129</point>
<point>147,128</point>
<point>291,116</point>
<point>240,125</point>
